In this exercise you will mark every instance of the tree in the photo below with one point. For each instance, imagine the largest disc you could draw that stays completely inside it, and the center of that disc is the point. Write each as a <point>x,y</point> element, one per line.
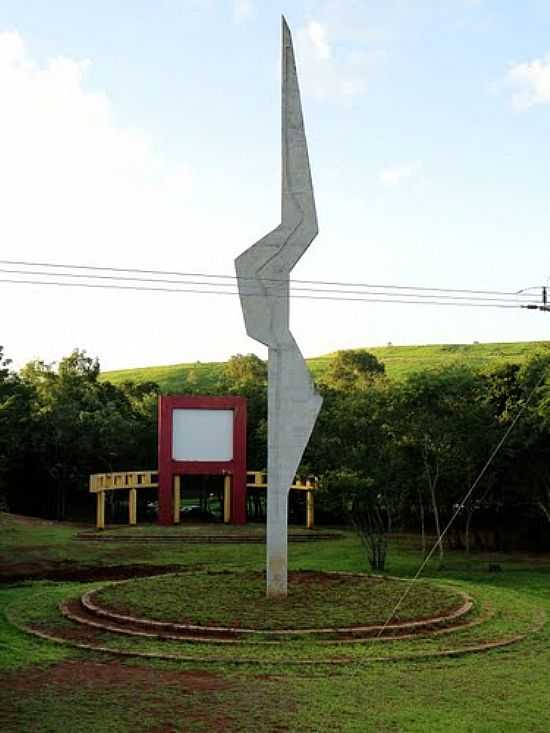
<point>142,401</point>
<point>530,444</point>
<point>80,425</point>
<point>352,437</point>
<point>352,369</point>
<point>14,421</point>
<point>244,370</point>
<point>447,422</point>
<point>363,507</point>
<point>367,518</point>
<point>246,375</point>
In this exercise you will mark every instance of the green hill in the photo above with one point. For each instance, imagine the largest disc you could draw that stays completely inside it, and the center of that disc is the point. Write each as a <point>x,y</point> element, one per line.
<point>399,361</point>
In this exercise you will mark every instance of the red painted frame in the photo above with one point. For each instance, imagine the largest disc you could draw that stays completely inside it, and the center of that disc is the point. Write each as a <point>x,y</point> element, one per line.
<point>168,467</point>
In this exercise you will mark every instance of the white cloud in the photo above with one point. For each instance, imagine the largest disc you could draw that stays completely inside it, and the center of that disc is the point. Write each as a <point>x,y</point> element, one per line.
<point>318,37</point>
<point>532,78</point>
<point>76,186</point>
<point>326,71</point>
<point>395,175</point>
<point>68,168</point>
<point>243,10</point>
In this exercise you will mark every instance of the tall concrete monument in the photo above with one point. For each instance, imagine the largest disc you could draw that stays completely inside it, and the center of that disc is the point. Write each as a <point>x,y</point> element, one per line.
<point>264,274</point>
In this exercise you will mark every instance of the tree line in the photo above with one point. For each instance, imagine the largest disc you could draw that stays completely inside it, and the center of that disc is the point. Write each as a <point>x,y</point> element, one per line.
<point>400,454</point>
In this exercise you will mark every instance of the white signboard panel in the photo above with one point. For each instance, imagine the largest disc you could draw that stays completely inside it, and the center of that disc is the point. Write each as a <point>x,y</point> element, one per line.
<point>202,435</point>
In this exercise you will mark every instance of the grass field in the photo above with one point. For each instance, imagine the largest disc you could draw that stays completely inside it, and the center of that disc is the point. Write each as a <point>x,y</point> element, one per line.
<point>399,361</point>
<point>47,687</point>
<point>238,599</point>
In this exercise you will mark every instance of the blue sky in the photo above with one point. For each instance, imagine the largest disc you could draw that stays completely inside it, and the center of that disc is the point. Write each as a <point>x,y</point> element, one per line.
<point>147,135</point>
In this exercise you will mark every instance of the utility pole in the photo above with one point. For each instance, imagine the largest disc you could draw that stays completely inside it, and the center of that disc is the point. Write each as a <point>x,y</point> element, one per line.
<point>544,306</point>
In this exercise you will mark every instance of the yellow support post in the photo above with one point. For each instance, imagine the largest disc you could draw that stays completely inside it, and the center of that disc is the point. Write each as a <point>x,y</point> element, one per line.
<point>132,507</point>
<point>177,499</point>
<point>310,510</point>
<point>100,510</point>
<point>227,499</point>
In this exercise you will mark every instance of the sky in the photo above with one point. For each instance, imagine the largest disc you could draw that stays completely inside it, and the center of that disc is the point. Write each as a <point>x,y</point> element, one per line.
<point>147,135</point>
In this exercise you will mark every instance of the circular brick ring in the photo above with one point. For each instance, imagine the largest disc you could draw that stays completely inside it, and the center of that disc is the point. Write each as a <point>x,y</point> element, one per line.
<point>293,662</point>
<point>90,612</point>
<point>99,645</point>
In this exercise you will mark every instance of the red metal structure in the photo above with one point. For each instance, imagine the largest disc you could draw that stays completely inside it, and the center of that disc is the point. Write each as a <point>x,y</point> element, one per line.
<point>170,467</point>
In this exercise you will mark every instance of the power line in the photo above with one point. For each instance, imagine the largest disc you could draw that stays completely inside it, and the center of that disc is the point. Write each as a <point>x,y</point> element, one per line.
<point>137,288</point>
<point>341,284</point>
<point>232,285</point>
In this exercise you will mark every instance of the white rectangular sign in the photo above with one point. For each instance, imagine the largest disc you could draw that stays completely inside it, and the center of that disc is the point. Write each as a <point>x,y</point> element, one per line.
<point>202,435</point>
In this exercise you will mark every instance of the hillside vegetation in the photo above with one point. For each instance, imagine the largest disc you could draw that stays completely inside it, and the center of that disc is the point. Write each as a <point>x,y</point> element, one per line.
<point>400,361</point>
<point>404,450</point>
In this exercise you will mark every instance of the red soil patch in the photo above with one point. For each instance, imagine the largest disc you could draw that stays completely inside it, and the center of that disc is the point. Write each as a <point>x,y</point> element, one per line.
<point>79,634</point>
<point>91,675</point>
<point>176,700</point>
<point>74,572</point>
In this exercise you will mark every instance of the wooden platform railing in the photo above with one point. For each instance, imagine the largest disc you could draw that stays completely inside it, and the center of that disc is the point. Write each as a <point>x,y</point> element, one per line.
<point>131,481</point>
<point>123,480</point>
<point>258,480</point>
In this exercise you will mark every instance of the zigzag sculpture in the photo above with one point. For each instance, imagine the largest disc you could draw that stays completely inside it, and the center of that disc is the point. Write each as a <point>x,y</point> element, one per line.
<point>263,273</point>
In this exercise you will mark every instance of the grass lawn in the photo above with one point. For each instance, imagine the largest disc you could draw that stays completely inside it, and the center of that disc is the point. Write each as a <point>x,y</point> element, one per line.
<point>238,600</point>
<point>49,687</point>
<point>399,360</point>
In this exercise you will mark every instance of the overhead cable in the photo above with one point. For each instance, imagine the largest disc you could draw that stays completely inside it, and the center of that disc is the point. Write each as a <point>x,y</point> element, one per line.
<point>340,284</point>
<point>137,288</point>
<point>206,283</point>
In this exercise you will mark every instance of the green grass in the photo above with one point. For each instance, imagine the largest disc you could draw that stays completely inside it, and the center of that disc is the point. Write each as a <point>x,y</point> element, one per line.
<point>503,615</point>
<point>45,687</point>
<point>238,599</point>
<point>171,378</point>
<point>20,650</point>
<point>399,360</point>
<point>30,532</point>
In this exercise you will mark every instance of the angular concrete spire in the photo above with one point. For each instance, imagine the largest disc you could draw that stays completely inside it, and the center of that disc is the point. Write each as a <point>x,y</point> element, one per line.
<point>264,273</point>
